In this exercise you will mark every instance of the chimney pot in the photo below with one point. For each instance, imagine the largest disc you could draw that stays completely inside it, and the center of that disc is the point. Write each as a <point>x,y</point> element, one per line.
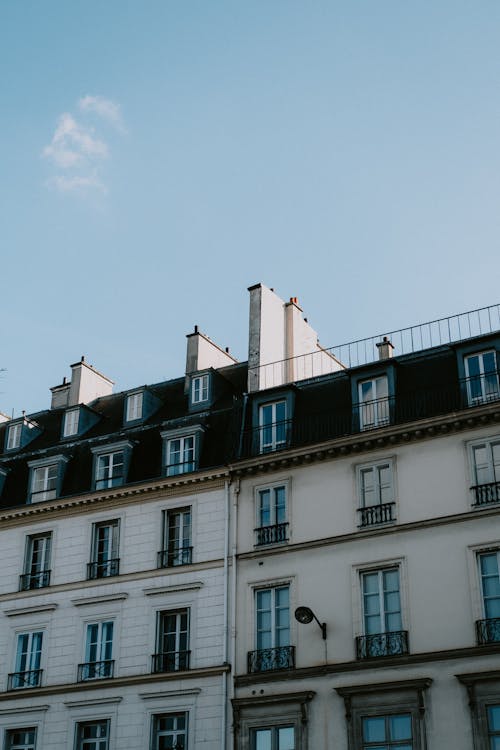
<point>385,348</point>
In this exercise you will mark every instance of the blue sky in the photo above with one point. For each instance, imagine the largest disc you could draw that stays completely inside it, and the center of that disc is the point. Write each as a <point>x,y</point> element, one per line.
<point>158,157</point>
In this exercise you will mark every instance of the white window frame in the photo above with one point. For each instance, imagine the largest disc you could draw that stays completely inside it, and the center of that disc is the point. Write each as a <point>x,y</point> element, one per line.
<point>479,555</point>
<point>274,731</point>
<point>15,432</point>
<point>112,544</point>
<point>382,613</point>
<point>32,657</point>
<point>96,742</point>
<point>266,446</point>
<point>178,551</point>
<point>357,594</point>
<point>481,378</point>
<point>41,468</point>
<point>174,733</point>
<point>102,646</point>
<point>488,444</point>
<point>41,566</point>
<point>178,613</point>
<point>375,467</point>
<point>378,408</point>
<point>71,422</point>
<point>181,467</point>
<point>200,388</point>
<point>25,744</point>
<point>135,406</point>
<point>169,436</point>
<point>273,629</point>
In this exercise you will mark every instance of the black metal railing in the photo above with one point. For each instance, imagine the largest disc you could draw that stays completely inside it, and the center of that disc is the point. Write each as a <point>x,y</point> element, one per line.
<point>29,581</point>
<point>271,659</point>
<point>103,569</point>
<point>488,631</point>
<point>484,494</point>
<point>39,496</point>
<point>108,482</point>
<point>361,417</point>
<point>168,558</point>
<point>182,467</point>
<point>376,514</point>
<point>95,670</point>
<point>274,534</point>
<point>170,661</point>
<point>382,644</point>
<point>18,680</point>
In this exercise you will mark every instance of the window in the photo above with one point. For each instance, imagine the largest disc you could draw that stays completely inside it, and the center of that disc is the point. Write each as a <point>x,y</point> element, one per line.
<point>486,472</point>
<point>170,731</point>
<point>46,478</point>
<point>488,630</point>
<point>21,739</point>
<point>494,726</point>
<point>92,735</point>
<point>376,493</point>
<point>274,738</point>
<point>272,630</point>
<point>71,419</point>
<point>105,561</point>
<point>98,652</point>
<point>177,549</point>
<point>482,378</point>
<point>180,455</point>
<point>272,426</point>
<point>14,436</point>
<point>109,472</point>
<point>37,562</point>
<point>382,621</point>
<point>373,398</point>
<point>272,525</point>
<point>199,388</point>
<point>483,690</point>
<point>172,642</point>
<point>134,406</point>
<point>386,716</point>
<point>27,672</point>
<point>387,732</point>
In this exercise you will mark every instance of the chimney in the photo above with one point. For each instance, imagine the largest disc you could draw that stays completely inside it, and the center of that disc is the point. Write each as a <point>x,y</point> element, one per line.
<point>202,354</point>
<point>3,417</point>
<point>385,349</point>
<point>87,384</point>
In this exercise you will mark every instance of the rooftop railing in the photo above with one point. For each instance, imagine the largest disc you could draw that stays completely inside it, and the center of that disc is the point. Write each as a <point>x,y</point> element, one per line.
<point>324,361</point>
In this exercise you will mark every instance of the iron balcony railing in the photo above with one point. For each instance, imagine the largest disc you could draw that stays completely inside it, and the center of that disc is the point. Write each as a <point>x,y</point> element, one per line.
<point>376,514</point>
<point>366,416</point>
<point>322,361</point>
<point>168,558</point>
<point>103,569</point>
<point>96,670</point>
<point>38,580</point>
<point>382,644</point>
<point>19,680</point>
<point>484,494</point>
<point>271,659</point>
<point>488,631</point>
<point>170,661</point>
<point>274,534</point>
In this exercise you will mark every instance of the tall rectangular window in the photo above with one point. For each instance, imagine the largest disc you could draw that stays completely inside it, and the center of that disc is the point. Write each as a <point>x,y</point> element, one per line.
<point>374,403</point>
<point>387,732</point>
<point>382,617</point>
<point>21,739</point>
<point>27,672</point>
<point>71,419</point>
<point>493,717</point>
<point>170,731</point>
<point>44,483</point>
<point>486,472</point>
<point>272,426</point>
<point>134,406</point>
<point>482,378</point>
<point>273,738</point>
<point>104,560</point>
<point>271,515</point>
<point>172,641</point>
<point>272,630</point>
<point>177,549</point>
<point>37,562</point>
<point>376,493</point>
<point>98,652</point>
<point>181,455</point>
<point>109,470</point>
<point>488,629</point>
<point>14,436</point>
<point>92,735</point>
<point>199,389</point>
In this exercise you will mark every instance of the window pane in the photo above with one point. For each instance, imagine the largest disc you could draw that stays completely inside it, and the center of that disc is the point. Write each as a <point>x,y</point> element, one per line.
<point>265,508</point>
<point>400,727</point>
<point>494,718</point>
<point>286,738</point>
<point>263,739</point>
<point>374,729</point>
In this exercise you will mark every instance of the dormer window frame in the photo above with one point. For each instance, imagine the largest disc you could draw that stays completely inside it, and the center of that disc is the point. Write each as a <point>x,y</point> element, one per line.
<point>371,414</point>
<point>200,390</point>
<point>134,406</point>
<point>52,481</point>
<point>70,421</point>
<point>21,427</point>
<point>268,437</point>
<point>13,438</point>
<point>181,434</point>
<point>124,447</point>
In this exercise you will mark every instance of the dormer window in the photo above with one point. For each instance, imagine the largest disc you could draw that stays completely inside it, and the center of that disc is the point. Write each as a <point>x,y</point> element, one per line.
<point>111,464</point>
<point>199,388</point>
<point>46,478</point>
<point>20,433</point>
<point>482,378</point>
<point>14,436</point>
<point>182,450</point>
<point>134,406</point>
<point>71,419</point>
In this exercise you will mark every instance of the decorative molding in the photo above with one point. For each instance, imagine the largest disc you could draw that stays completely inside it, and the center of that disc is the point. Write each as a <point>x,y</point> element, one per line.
<point>23,710</point>
<point>192,586</point>
<point>81,602</point>
<point>93,702</point>
<point>30,610</point>
<point>170,694</point>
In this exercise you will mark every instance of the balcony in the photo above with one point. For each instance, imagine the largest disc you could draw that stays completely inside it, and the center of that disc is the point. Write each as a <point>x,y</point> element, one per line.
<point>374,515</point>
<point>170,661</point>
<point>28,581</point>
<point>103,569</point>
<point>382,644</point>
<point>488,631</point>
<point>168,558</point>
<point>274,534</point>
<point>486,494</point>
<point>19,680</point>
<point>95,670</point>
<point>271,659</point>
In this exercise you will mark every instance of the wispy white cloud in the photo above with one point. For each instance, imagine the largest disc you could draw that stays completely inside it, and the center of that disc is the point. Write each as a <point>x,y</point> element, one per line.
<point>77,149</point>
<point>104,108</point>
